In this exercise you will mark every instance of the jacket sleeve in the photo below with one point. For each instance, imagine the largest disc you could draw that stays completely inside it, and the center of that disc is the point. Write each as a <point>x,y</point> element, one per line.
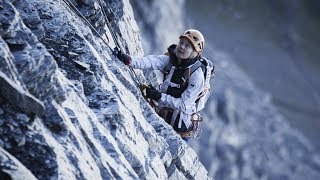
<point>155,62</point>
<point>186,103</point>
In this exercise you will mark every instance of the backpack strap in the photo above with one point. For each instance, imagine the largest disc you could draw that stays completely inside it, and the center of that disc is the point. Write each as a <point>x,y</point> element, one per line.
<point>172,58</point>
<point>167,68</point>
<point>192,68</point>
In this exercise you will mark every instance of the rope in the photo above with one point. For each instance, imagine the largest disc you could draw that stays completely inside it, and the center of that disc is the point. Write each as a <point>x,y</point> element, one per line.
<point>136,79</point>
<point>108,23</point>
<point>74,8</point>
<point>113,34</point>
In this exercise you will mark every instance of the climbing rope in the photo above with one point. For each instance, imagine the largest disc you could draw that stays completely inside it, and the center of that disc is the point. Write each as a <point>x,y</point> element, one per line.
<point>116,49</point>
<point>108,23</point>
<point>75,9</point>
<point>113,34</point>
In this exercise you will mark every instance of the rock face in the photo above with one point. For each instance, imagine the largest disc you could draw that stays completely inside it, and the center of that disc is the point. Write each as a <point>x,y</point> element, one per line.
<point>12,168</point>
<point>69,109</point>
<point>23,100</point>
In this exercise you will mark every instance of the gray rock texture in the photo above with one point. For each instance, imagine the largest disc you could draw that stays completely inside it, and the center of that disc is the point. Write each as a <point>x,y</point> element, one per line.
<point>70,110</point>
<point>12,168</point>
<point>15,95</point>
<point>95,123</point>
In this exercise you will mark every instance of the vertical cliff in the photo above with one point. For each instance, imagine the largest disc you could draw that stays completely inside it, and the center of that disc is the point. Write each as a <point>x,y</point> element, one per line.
<point>69,109</point>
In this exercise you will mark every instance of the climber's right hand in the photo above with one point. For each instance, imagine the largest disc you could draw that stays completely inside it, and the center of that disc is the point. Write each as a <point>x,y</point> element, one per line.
<point>152,93</point>
<point>126,59</point>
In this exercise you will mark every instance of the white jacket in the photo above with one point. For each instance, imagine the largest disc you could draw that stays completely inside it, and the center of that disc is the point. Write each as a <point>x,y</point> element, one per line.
<point>186,104</point>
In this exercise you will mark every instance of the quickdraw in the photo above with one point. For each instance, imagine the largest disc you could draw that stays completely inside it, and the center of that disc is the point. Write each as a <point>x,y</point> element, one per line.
<point>195,129</point>
<point>196,119</point>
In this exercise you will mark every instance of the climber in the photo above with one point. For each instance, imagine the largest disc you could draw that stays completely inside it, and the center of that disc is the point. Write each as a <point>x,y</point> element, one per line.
<point>182,85</point>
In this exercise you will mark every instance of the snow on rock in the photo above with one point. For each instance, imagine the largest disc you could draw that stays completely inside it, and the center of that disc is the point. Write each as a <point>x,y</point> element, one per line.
<point>95,123</point>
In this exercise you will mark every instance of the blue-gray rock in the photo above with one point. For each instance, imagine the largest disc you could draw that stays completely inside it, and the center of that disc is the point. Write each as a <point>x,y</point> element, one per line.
<point>95,124</point>
<point>11,168</point>
<point>18,97</point>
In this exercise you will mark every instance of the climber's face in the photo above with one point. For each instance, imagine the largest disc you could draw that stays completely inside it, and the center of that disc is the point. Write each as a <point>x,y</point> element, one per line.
<point>184,49</point>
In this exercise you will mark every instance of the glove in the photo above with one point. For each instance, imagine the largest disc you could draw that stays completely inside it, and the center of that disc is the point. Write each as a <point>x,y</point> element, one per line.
<point>126,59</point>
<point>152,93</point>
